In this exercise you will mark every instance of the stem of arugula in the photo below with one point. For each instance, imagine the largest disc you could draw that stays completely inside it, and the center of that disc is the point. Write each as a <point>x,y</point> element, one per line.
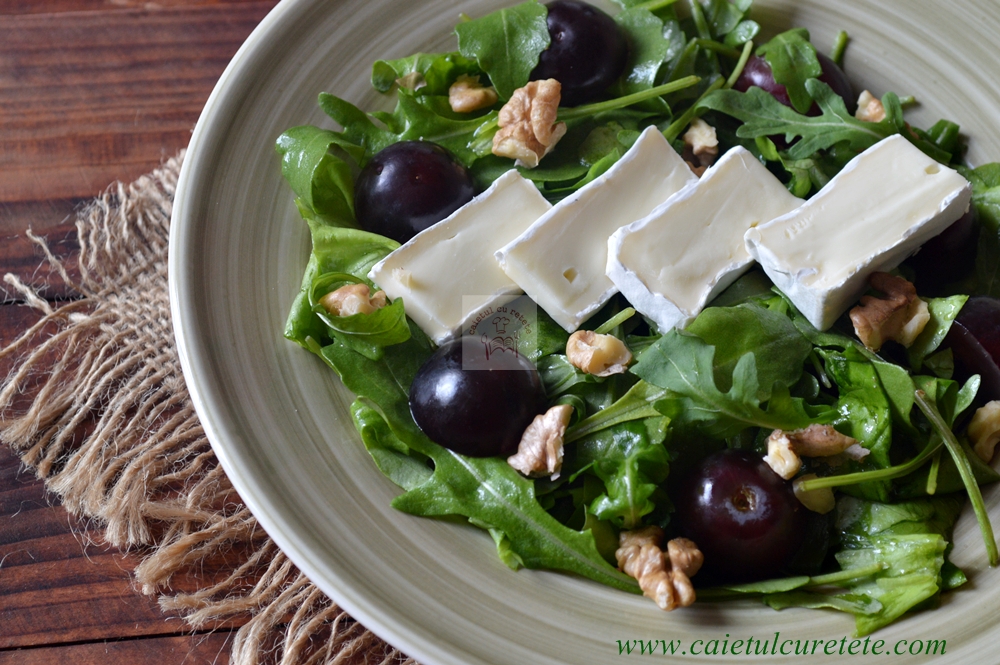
<point>965,471</point>
<point>839,46</point>
<point>615,321</point>
<point>627,100</point>
<point>878,474</point>
<point>740,64</point>
<point>718,47</point>
<point>678,125</point>
<point>653,5</point>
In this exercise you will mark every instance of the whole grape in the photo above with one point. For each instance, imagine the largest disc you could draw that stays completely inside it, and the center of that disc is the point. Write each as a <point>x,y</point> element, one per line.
<point>587,52</point>
<point>743,516</point>
<point>409,186</point>
<point>475,404</point>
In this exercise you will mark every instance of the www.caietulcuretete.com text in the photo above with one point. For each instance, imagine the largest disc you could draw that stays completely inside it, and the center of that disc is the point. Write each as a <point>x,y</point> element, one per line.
<point>775,646</point>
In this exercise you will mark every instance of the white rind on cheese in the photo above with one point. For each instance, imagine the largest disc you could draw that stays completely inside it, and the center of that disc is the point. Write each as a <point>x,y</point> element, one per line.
<point>877,211</point>
<point>453,259</point>
<point>672,262</point>
<point>560,260</point>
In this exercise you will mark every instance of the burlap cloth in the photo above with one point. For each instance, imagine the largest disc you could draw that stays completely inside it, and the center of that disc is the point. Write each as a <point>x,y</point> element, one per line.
<point>97,406</point>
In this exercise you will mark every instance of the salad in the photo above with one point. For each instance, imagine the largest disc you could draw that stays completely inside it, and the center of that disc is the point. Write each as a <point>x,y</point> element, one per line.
<point>718,403</point>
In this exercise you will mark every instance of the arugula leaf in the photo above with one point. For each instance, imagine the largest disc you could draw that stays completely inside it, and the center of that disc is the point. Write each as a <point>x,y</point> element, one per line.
<point>413,119</point>
<point>367,333</point>
<point>892,562</point>
<point>323,182</point>
<point>637,404</point>
<point>334,250</point>
<point>506,44</point>
<point>986,201</point>
<point>632,462</point>
<point>392,457</point>
<point>684,365</point>
<point>793,61</point>
<point>779,349</point>
<point>763,115</point>
<point>865,414</point>
<point>430,73</point>
<point>485,490</point>
<point>985,192</point>
<point>649,48</point>
<point>943,312</point>
<point>742,32</point>
<point>724,16</point>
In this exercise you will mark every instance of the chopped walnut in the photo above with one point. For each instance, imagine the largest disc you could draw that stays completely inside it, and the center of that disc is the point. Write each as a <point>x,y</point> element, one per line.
<point>353,299</point>
<point>819,501</point>
<point>870,108</point>
<point>541,449</point>
<point>663,576</point>
<point>528,127</point>
<point>984,430</point>
<point>701,146</point>
<point>467,94</point>
<point>899,316</point>
<point>785,449</point>
<point>600,355</point>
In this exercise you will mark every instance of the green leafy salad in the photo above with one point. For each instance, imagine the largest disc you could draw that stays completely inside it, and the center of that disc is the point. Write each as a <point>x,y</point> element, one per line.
<point>749,366</point>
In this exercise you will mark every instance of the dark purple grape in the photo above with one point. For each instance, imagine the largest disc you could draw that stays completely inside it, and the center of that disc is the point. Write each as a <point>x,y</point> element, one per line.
<point>409,186</point>
<point>757,73</point>
<point>587,52</point>
<point>974,339</point>
<point>472,404</point>
<point>742,515</point>
<point>944,258</point>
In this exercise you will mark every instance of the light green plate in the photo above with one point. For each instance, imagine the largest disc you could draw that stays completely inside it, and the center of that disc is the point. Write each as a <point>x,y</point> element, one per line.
<point>278,418</point>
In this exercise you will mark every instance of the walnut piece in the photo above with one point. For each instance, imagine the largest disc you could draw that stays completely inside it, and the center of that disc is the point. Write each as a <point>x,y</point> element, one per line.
<point>899,316</point>
<point>819,501</point>
<point>528,127</point>
<point>870,108</point>
<point>701,146</point>
<point>467,94</point>
<point>600,355</point>
<point>663,576</point>
<point>541,449</point>
<point>785,449</point>
<point>352,299</point>
<point>984,430</point>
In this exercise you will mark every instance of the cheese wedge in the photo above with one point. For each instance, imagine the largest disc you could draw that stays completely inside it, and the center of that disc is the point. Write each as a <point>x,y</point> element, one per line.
<point>447,272</point>
<point>672,262</point>
<point>560,260</point>
<point>877,211</point>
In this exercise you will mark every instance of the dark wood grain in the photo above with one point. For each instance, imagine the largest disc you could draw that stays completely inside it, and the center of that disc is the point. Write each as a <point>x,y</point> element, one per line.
<point>196,649</point>
<point>91,91</point>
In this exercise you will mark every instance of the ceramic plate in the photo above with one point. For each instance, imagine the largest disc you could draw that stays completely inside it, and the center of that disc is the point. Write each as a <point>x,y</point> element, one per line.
<point>278,418</point>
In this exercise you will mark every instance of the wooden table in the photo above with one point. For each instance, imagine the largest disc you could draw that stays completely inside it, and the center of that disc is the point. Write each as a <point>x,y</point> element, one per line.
<point>91,91</point>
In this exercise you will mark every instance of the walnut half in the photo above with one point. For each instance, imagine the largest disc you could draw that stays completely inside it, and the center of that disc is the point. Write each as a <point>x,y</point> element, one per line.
<point>352,299</point>
<point>664,576</point>
<point>984,430</point>
<point>528,127</point>
<point>467,94</point>
<point>541,449</point>
<point>600,355</point>
<point>899,316</point>
<point>785,449</point>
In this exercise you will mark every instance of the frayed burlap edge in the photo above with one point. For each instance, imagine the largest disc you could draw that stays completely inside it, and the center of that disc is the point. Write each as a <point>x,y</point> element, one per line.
<point>97,406</point>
